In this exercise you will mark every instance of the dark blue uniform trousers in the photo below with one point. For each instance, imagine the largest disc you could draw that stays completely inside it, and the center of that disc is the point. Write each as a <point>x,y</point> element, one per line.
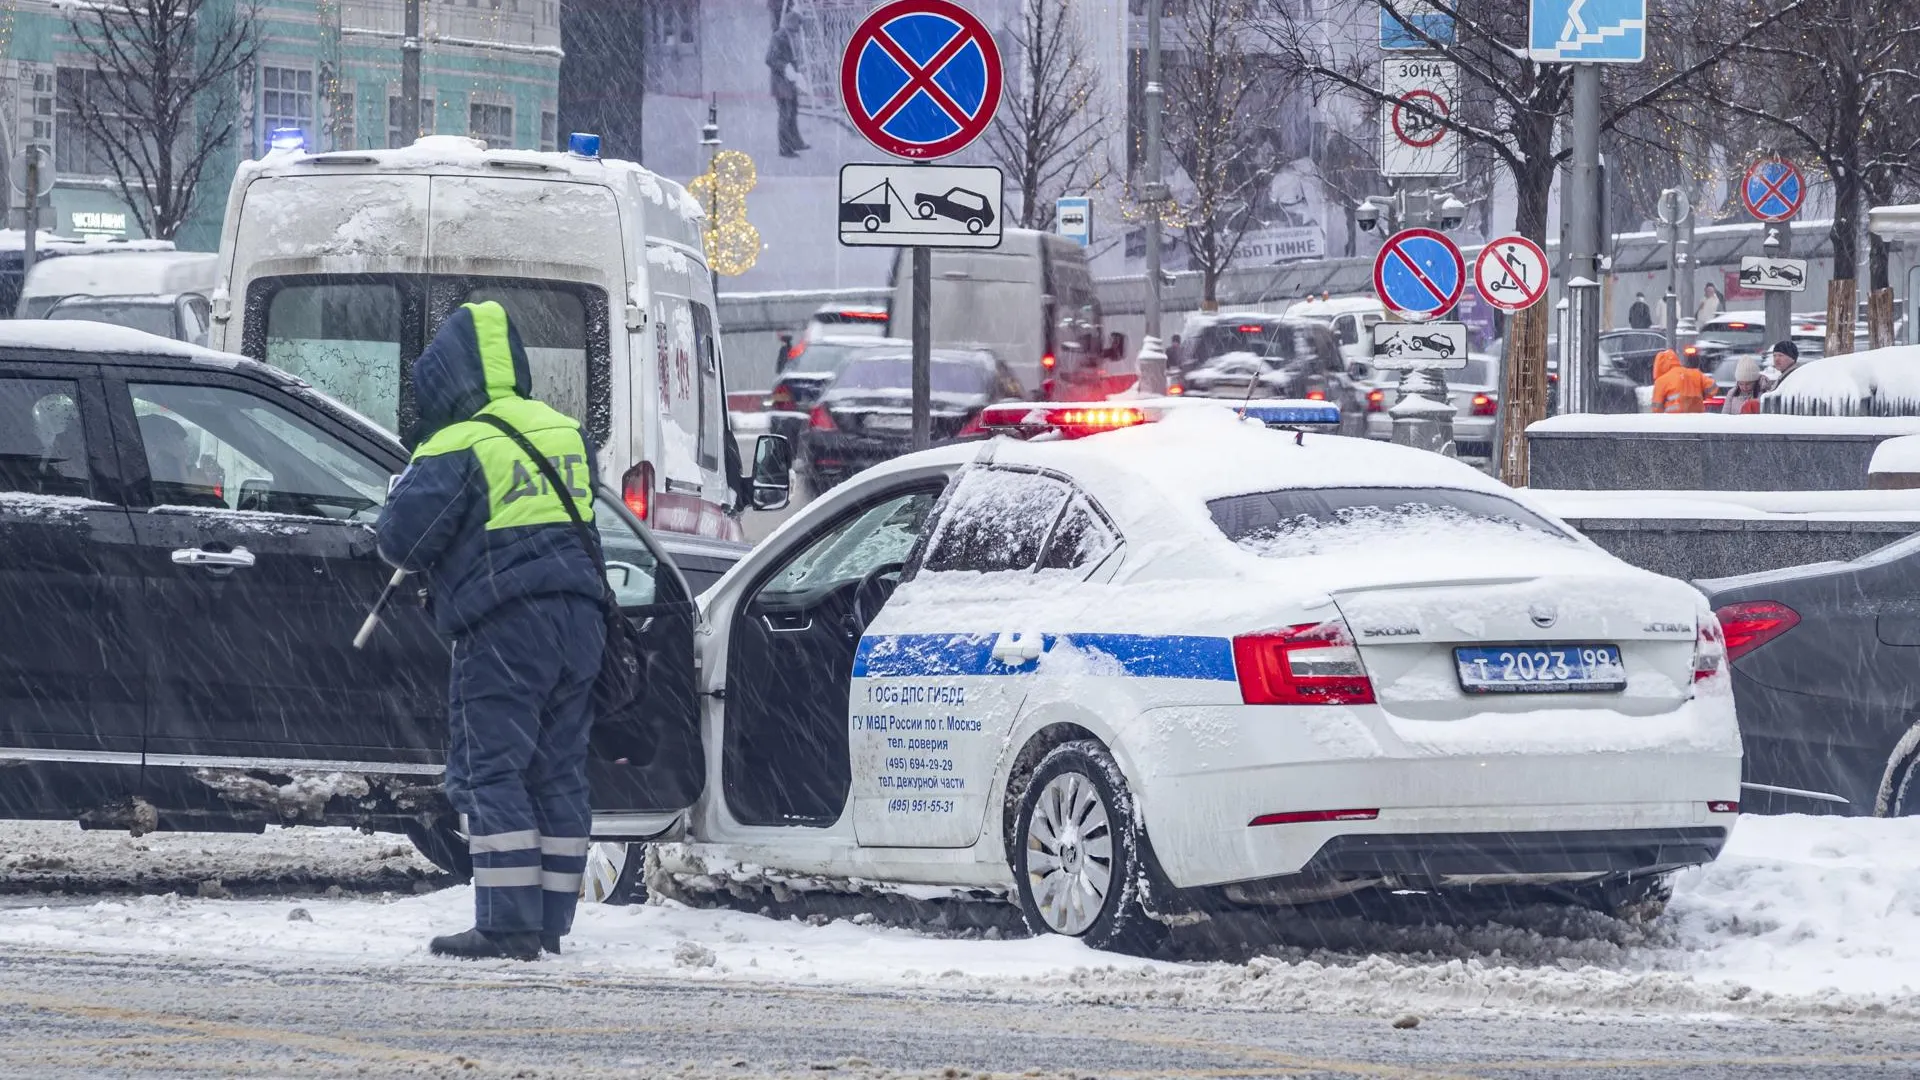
<point>517,757</point>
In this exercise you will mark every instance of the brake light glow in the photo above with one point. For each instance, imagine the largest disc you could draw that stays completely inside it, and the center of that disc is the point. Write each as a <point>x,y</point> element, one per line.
<point>821,420</point>
<point>1709,650</point>
<point>1299,817</point>
<point>1176,389</point>
<point>973,426</point>
<point>1485,405</point>
<point>1047,361</point>
<point>1690,350</point>
<point>864,316</point>
<point>1252,328</point>
<point>1722,806</point>
<point>794,351</point>
<point>1714,404</point>
<point>1750,624</point>
<point>1316,395</point>
<point>1736,326</point>
<point>636,489</point>
<point>781,398</point>
<point>1308,664</point>
<point>1376,400</point>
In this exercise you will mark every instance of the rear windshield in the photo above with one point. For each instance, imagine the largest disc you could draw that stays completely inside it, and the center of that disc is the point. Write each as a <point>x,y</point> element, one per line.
<point>153,318</point>
<point>1284,524</point>
<point>1274,341</point>
<point>1739,336</point>
<point>896,373</point>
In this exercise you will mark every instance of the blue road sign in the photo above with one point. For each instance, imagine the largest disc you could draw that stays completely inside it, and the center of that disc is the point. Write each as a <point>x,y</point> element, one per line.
<point>1419,273</point>
<point>1073,218</point>
<point>1774,190</point>
<point>920,78</point>
<point>1397,32</point>
<point>1588,31</point>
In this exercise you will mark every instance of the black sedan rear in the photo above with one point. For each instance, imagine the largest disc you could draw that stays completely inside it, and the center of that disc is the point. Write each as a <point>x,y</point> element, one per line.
<point>866,415</point>
<point>1826,677</point>
<point>813,367</point>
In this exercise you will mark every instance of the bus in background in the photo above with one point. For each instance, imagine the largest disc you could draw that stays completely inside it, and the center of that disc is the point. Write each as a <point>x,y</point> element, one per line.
<point>339,267</point>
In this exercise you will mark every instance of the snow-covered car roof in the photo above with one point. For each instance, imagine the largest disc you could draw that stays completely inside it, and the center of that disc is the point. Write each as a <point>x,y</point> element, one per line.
<point>75,335</point>
<point>122,271</point>
<point>1336,305</point>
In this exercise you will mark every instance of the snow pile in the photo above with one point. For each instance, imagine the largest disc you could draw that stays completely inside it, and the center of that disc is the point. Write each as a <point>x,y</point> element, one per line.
<point>1722,424</point>
<point>1799,915</point>
<point>1901,455</point>
<point>1878,382</point>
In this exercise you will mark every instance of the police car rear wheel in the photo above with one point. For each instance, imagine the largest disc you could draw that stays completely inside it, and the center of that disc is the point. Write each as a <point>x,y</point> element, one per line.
<point>1076,860</point>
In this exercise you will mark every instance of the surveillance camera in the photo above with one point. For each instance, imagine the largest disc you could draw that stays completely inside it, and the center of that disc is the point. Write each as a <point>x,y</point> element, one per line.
<point>1453,213</point>
<point>1366,215</point>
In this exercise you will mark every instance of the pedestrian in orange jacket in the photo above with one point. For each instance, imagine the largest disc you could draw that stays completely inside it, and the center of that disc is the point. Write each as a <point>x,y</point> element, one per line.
<point>1678,388</point>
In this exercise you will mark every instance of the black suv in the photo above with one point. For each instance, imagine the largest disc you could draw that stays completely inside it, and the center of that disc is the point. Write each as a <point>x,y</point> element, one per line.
<point>186,552</point>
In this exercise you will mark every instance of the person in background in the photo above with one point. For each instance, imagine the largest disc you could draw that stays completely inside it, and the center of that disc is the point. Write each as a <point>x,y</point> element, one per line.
<point>1678,388</point>
<point>1745,398</point>
<point>783,77</point>
<point>1786,357</point>
<point>1116,347</point>
<point>1639,316</point>
<point>1709,308</point>
<point>785,355</point>
<point>1173,353</point>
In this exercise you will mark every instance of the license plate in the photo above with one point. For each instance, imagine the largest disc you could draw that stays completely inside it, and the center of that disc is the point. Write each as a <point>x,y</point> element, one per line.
<point>1537,669</point>
<point>890,422</point>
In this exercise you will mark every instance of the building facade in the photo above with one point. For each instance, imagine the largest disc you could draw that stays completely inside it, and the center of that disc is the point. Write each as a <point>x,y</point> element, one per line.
<point>331,68</point>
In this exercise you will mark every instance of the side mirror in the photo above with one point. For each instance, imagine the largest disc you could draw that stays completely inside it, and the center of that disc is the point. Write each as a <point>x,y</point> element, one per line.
<point>772,472</point>
<point>1358,370</point>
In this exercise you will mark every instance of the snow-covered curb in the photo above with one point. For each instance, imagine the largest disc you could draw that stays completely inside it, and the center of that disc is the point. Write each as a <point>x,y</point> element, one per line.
<point>1800,915</point>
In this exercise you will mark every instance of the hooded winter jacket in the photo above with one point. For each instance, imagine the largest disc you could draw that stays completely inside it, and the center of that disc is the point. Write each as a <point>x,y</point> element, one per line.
<point>1678,388</point>
<point>472,511</point>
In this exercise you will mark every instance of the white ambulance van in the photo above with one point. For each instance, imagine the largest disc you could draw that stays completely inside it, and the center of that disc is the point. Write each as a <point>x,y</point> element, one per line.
<point>339,267</point>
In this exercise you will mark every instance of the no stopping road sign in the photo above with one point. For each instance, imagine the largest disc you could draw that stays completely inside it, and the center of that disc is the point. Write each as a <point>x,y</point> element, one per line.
<point>920,78</point>
<point>1419,273</point>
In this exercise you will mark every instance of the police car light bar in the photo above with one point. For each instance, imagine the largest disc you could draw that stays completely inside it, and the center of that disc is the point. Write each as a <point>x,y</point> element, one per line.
<point>1024,419</point>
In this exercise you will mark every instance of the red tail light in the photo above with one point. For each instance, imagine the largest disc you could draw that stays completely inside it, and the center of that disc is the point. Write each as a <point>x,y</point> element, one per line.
<point>973,426</point>
<point>821,419</point>
<point>1299,817</point>
<point>1721,806</point>
<point>636,489</point>
<point>1485,405</point>
<point>1376,400</point>
<point>781,398</point>
<point>1309,664</point>
<point>1252,328</point>
<point>1746,626</point>
<point>798,347</point>
<point>1316,395</point>
<point>1714,404</point>
<point>1176,388</point>
<point>1047,361</point>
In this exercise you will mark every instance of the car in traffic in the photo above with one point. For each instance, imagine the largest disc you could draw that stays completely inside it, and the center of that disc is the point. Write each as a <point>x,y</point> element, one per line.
<point>184,317</point>
<point>1352,319</point>
<point>1241,354</point>
<point>149,268</point>
<point>808,375</point>
<point>186,552</point>
<point>1824,678</point>
<point>865,415</point>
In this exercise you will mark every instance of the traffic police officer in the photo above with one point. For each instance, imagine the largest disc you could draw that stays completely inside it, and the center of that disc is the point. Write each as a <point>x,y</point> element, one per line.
<point>518,592</point>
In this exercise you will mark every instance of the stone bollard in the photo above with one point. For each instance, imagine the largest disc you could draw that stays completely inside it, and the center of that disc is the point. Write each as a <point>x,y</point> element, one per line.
<point>1423,417</point>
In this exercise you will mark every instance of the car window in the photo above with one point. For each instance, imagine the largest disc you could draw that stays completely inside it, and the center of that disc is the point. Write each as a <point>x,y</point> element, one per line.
<point>1081,540</point>
<point>997,519</point>
<point>632,569</point>
<point>873,538</point>
<point>154,318</point>
<point>1313,521</point>
<point>1348,329</point>
<point>43,449</point>
<point>1475,373</point>
<point>222,448</point>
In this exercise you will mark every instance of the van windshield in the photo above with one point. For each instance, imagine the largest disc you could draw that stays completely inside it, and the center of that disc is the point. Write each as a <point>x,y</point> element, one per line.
<point>355,336</point>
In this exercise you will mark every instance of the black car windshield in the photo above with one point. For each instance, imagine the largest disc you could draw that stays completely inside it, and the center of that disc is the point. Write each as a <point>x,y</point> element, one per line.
<point>153,318</point>
<point>1273,341</point>
<point>896,373</point>
<point>1314,521</point>
<point>824,358</point>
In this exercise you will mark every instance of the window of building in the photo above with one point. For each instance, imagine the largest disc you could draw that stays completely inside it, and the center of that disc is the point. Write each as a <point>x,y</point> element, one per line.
<point>493,123</point>
<point>549,131</point>
<point>41,108</point>
<point>398,137</point>
<point>340,125</point>
<point>286,100</point>
<point>75,152</point>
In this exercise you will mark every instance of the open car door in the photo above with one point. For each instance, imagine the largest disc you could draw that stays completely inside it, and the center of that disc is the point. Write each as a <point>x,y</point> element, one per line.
<point>646,763</point>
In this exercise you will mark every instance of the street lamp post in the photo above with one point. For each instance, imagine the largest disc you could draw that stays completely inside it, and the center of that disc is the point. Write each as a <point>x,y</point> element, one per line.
<point>710,138</point>
<point>410,76</point>
<point>1153,374</point>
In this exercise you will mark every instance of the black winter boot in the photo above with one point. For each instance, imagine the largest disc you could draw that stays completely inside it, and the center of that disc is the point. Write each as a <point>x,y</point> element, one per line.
<point>551,943</point>
<point>478,944</point>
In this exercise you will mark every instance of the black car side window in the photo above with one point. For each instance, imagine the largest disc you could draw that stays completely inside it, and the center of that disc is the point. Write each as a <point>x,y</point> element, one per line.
<point>43,448</point>
<point>226,449</point>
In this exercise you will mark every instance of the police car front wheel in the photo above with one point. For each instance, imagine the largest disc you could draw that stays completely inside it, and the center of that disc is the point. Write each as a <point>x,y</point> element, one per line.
<point>1076,859</point>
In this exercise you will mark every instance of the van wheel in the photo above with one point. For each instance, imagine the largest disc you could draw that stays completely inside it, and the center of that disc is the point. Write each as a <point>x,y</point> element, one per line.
<point>443,844</point>
<point>1639,899</point>
<point>616,874</point>
<point>1076,858</point>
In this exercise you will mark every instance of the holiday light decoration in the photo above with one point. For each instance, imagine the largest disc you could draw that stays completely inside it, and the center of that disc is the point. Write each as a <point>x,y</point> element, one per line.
<point>733,244</point>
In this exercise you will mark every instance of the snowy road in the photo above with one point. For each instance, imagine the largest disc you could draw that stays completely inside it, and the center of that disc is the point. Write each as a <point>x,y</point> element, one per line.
<point>1794,955</point>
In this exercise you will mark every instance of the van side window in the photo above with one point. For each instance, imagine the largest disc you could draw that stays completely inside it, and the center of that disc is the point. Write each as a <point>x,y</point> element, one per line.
<point>343,335</point>
<point>710,398</point>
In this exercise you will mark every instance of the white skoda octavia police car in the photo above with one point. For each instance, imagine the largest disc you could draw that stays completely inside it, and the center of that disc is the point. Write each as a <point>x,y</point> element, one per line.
<point>1202,662</point>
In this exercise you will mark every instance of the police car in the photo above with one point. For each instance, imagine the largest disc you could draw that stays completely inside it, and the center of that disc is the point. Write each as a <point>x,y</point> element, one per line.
<point>1199,661</point>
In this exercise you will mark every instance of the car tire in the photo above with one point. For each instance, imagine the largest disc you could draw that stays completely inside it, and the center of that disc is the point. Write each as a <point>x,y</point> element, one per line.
<point>617,874</point>
<point>1077,853</point>
<point>1900,788</point>
<point>441,843</point>
<point>1637,899</point>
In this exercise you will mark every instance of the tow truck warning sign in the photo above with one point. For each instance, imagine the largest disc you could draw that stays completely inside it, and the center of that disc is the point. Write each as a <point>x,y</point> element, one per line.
<point>920,206</point>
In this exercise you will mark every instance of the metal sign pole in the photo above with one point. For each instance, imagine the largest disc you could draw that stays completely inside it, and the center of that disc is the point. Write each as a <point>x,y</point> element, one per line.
<point>1583,242</point>
<point>922,347</point>
<point>410,75</point>
<point>1778,305</point>
<point>33,212</point>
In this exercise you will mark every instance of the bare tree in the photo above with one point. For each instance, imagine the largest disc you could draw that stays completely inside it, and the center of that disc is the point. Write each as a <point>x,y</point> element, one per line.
<point>162,97</point>
<point>1218,96</point>
<point>1049,134</point>
<point>1832,83</point>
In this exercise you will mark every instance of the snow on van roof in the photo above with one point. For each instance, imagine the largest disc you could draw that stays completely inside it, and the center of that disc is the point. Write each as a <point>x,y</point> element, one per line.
<point>64,335</point>
<point>1335,305</point>
<point>431,152</point>
<point>122,272</point>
